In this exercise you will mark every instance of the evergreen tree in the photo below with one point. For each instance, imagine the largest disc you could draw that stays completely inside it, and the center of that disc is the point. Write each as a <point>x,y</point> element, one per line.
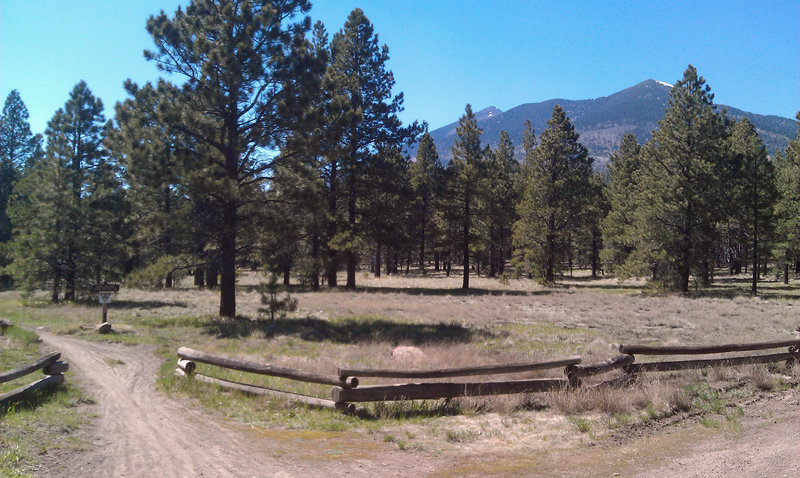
<point>154,159</point>
<point>74,193</point>
<point>468,173</point>
<point>18,149</point>
<point>557,190</point>
<point>425,173</point>
<point>500,199</point>
<point>617,226</point>
<point>684,187</point>
<point>756,194</point>
<point>787,167</point>
<point>245,67</point>
<point>362,87</point>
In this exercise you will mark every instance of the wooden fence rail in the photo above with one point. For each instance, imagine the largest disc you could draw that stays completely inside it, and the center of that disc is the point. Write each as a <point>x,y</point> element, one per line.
<point>705,349</point>
<point>459,372</point>
<point>264,369</point>
<point>430,391</point>
<point>29,368</point>
<point>49,365</point>
<point>346,385</point>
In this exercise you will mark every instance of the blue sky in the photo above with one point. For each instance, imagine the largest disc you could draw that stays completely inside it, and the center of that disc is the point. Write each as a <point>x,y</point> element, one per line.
<point>446,53</point>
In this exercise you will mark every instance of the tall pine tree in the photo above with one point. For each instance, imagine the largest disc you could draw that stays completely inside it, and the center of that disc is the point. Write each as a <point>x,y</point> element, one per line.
<point>243,71</point>
<point>684,187</point>
<point>468,171</point>
<point>617,226</point>
<point>18,149</point>
<point>425,172</point>
<point>557,189</point>
<point>362,86</point>
<point>756,192</point>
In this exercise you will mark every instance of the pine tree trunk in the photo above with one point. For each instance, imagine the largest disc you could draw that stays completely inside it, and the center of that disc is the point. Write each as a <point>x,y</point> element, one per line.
<point>287,273</point>
<point>378,259</point>
<point>199,277</point>
<point>436,261</point>
<point>549,273</point>
<point>227,296</point>
<point>465,249</point>
<point>56,287</point>
<point>422,239</point>
<point>786,273</point>
<point>492,252</point>
<point>315,260</point>
<point>595,249</point>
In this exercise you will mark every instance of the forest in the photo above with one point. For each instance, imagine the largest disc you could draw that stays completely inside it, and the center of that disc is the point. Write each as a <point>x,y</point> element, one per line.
<point>272,144</point>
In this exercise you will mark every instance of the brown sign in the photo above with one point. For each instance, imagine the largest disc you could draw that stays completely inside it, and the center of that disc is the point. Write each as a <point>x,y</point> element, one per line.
<point>105,288</point>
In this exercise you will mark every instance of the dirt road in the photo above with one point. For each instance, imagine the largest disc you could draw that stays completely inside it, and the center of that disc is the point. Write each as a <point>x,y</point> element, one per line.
<point>139,432</point>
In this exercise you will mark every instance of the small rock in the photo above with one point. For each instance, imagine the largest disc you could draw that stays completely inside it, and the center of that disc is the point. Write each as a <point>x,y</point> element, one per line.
<point>104,328</point>
<point>407,352</point>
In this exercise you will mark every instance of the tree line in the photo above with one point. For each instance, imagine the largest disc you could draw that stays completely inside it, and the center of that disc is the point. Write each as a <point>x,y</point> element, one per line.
<point>279,145</point>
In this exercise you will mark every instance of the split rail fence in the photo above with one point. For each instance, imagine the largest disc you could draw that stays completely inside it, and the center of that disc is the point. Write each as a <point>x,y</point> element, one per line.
<point>50,366</point>
<point>347,386</point>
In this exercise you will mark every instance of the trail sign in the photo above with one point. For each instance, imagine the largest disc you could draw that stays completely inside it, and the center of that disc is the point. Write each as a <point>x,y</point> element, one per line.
<point>105,297</point>
<point>105,287</point>
<point>105,291</point>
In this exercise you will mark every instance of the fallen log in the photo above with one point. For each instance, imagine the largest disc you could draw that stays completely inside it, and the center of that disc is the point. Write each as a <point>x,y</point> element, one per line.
<point>430,391</point>
<point>605,366</point>
<point>704,349</point>
<point>26,390</point>
<point>722,362</point>
<point>30,368</point>
<point>187,366</point>
<point>265,369</point>
<point>459,372</point>
<point>253,389</point>
<point>56,368</point>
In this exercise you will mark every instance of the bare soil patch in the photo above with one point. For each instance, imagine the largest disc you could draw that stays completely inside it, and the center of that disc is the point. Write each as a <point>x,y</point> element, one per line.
<point>140,432</point>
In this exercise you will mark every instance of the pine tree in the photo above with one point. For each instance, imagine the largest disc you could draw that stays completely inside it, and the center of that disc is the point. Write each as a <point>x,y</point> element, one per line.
<point>153,159</point>
<point>18,149</point>
<point>245,69</point>
<point>425,173</point>
<point>500,199</point>
<point>617,226</point>
<point>362,86</point>
<point>787,167</point>
<point>557,190</point>
<point>71,205</point>
<point>683,187</point>
<point>468,173</point>
<point>756,192</point>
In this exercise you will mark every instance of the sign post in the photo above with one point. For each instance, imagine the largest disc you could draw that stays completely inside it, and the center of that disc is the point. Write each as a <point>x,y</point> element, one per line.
<point>105,291</point>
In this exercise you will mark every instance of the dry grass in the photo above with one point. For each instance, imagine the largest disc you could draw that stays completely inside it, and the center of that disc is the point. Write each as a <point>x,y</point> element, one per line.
<point>494,323</point>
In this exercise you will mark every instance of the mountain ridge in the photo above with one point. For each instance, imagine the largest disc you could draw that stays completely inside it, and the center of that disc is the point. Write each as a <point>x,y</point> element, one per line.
<point>601,122</point>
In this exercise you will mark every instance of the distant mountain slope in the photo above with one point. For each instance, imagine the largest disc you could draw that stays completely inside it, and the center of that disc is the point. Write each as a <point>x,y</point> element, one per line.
<point>602,122</point>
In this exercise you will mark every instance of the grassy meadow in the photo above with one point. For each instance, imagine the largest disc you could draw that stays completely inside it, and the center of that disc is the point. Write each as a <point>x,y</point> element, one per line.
<point>492,323</point>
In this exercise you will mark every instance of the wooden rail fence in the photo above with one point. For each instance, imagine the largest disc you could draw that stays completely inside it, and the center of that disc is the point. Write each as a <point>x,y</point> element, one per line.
<point>50,366</point>
<point>347,388</point>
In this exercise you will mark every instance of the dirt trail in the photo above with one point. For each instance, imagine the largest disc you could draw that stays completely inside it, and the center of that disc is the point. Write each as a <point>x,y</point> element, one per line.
<point>768,445</point>
<point>140,432</point>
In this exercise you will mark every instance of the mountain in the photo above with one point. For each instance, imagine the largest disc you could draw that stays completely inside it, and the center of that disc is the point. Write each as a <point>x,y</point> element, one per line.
<point>602,122</point>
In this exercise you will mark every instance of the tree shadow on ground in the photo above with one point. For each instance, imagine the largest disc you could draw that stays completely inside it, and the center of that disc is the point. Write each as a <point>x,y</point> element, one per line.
<point>347,331</point>
<point>424,291</point>
<point>457,292</point>
<point>145,304</point>
<point>129,304</point>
